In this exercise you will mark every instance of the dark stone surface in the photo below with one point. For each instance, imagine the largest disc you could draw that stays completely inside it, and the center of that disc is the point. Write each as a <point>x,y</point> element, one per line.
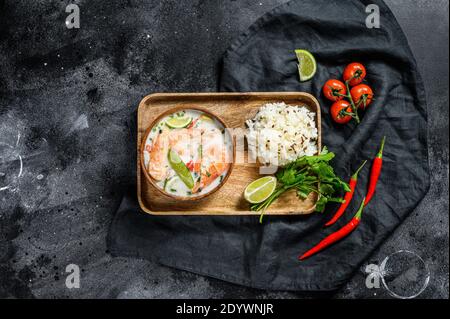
<point>66,97</point>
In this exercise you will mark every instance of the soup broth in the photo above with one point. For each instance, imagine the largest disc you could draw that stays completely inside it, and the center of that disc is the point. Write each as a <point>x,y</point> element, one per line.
<point>188,153</point>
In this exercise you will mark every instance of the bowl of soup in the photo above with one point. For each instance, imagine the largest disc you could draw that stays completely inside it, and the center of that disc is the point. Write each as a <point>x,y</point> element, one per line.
<point>187,153</point>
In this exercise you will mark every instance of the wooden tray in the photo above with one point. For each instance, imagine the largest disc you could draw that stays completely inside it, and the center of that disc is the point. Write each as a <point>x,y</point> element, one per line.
<point>234,109</point>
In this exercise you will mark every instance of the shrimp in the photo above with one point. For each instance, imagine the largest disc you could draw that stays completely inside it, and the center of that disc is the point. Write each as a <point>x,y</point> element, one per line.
<point>158,165</point>
<point>178,140</point>
<point>213,161</point>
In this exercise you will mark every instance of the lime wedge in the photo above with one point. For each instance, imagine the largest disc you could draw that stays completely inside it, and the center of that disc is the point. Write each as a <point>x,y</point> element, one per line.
<point>260,189</point>
<point>178,122</point>
<point>180,168</point>
<point>307,65</point>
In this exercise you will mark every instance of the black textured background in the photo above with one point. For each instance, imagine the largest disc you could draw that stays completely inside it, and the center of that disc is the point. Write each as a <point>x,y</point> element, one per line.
<point>66,97</point>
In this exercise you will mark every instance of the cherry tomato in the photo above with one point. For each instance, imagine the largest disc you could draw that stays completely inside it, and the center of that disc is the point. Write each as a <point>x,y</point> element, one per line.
<point>336,111</point>
<point>333,90</point>
<point>354,73</point>
<point>362,95</point>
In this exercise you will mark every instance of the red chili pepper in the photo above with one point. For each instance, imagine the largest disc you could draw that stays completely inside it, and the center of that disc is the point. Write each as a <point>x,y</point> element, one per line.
<point>348,196</point>
<point>336,236</point>
<point>192,124</point>
<point>375,173</point>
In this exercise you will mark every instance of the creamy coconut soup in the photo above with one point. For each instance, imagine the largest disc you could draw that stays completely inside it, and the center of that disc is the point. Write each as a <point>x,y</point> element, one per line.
<point>188,153</point>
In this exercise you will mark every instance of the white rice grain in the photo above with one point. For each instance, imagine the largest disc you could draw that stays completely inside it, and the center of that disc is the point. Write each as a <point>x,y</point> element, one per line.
<point>280,133</point>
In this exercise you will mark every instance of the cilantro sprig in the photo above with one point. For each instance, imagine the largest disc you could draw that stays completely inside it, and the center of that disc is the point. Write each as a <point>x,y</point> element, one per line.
<point>308,174</point>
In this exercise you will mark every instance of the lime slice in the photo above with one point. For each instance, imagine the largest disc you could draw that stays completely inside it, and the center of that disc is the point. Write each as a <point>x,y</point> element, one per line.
<point>178,122</point>
<point>175,185</point>
<point>307,65</point>
<point>259,190</point>
<point>180,168</point>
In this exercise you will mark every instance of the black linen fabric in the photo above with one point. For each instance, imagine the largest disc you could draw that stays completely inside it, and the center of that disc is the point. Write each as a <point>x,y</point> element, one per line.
<point>240,250</point>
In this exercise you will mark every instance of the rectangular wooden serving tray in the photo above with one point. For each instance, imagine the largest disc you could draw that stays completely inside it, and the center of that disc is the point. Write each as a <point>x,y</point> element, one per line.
<point>234,109</point>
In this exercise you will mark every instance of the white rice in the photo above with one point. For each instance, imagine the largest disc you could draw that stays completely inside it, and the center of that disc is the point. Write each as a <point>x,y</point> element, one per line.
<point>280,133</point>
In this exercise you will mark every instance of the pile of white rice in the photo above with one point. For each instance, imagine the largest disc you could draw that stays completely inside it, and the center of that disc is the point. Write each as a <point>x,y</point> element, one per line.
<point>280,133</point>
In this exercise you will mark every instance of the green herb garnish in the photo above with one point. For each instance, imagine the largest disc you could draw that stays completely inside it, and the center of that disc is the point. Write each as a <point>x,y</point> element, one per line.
<point>306,175</point>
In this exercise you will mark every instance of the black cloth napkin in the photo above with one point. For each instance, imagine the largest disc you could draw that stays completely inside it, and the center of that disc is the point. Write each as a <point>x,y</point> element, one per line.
<point>242,251</point>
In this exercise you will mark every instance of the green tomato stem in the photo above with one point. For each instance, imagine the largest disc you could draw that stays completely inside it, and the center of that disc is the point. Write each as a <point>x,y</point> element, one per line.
<point>349,97</point>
